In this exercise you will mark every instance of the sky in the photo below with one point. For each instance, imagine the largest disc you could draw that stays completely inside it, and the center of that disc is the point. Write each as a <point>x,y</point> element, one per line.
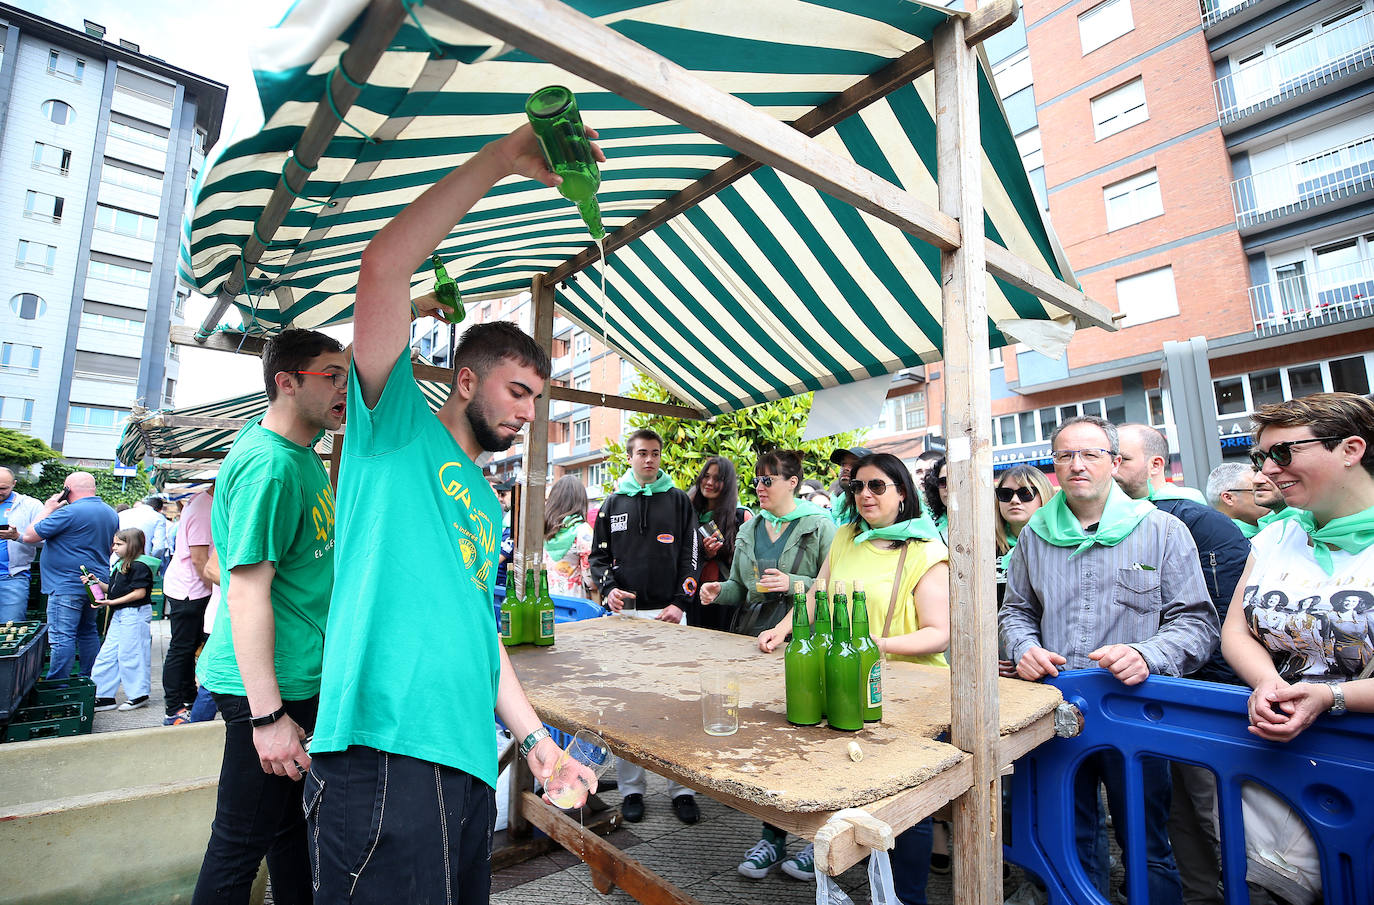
<point>210,39</point>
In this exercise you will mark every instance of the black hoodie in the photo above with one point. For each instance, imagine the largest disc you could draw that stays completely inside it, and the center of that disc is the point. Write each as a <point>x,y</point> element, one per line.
<point>647,544</point>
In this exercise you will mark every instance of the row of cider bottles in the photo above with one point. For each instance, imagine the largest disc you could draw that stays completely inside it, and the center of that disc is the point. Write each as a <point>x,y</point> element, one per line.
<point>528,619</point>
<point>831,673</point>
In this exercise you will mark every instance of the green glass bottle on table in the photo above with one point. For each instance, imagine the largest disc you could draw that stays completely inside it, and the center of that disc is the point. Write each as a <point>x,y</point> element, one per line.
<point>870,659</point>
<point>529,610</point>
<point>446,291</point>
<point>803,665</point>
<point>563,139</point>
<point>820,631</point>
<point>544,633</point>
<point>843,708</point>
<point>510,612</point>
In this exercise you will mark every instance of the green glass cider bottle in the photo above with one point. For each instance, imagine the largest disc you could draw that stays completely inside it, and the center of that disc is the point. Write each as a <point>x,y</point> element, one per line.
<point>529,610</point>
<point>870,660</point>
<point>803,666</point>
<point>446,291</point>
<point>544,633</point>
<point>842,705</point>
<point>510,612</point>
<point>563,139</point>
<point>820,631</point>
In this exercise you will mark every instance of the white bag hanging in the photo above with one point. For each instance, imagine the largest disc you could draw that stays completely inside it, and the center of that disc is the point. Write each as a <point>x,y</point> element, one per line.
<point>869,831</point>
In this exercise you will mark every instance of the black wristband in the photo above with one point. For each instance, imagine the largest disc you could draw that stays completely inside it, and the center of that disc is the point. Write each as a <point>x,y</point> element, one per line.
<point>259,721</point>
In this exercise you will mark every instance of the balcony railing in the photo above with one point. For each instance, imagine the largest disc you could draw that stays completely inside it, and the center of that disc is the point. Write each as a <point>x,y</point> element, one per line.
<point>1303,301</point>
<point>1213,11</point>
<point>1320,179</point>
<point>1339,51</point>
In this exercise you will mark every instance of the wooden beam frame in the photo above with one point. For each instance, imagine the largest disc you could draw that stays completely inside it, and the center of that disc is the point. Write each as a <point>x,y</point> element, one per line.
<point>530,543</point>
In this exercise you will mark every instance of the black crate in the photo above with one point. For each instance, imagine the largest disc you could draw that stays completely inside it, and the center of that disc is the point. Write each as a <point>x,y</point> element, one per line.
<point>19,668</point>
<point>71,690</point>
<point>48,721</point>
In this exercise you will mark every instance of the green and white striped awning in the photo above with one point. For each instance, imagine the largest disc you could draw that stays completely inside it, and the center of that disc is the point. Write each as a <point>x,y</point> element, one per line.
<point>765,289</point>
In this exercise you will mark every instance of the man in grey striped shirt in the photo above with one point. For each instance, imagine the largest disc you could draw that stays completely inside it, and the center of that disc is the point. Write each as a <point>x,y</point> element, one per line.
<point>1100,578</point>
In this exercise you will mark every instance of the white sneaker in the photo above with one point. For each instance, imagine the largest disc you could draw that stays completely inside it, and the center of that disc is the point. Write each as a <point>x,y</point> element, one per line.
<point>760,859</point>
<point>135,703</point>
<point>802,865</point>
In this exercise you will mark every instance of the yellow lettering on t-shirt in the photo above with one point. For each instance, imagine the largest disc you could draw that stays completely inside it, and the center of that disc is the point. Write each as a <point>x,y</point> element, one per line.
<point>323,513</point>
<point>454,488</point>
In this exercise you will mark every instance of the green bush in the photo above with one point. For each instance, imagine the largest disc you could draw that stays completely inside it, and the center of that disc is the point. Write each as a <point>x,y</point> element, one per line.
<point>110,487</point>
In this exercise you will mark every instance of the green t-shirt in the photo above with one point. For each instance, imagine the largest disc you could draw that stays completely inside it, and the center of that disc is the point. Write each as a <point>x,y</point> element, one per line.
<point>413,661</point>
<point>273,504</point>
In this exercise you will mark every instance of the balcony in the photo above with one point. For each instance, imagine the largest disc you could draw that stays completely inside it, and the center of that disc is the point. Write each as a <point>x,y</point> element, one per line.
<point>1305,301</point>
<point>1301,68</point>
<point>1214,11</point>
<point>1325,179</point>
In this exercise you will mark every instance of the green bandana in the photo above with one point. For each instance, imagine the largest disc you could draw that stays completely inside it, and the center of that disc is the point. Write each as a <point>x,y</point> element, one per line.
<point>1177,492</point>
<point>631,487</point>
<point>942,524</point>
<point>1055,522</point>
<point>919,528</point>
<point>558,546</point>
<point>1267,520</point>
<point>1246,528</point>
<point>803,508</point>
<point>840,513</point>
<point>1351,533</point>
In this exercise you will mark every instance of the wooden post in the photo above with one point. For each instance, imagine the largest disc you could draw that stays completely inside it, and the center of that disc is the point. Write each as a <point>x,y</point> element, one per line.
<point>977,847</point>
<point>531,537</point>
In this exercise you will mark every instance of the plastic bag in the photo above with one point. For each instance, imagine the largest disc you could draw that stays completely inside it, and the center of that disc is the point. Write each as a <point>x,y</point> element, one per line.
<point>881,890</point>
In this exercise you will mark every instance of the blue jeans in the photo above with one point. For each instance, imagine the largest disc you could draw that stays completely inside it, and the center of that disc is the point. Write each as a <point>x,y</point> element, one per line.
<point>911,863</point>
<point>72,634</point>
<point>126,656</point>
<point>1163,881</point>
<point>14,596</point>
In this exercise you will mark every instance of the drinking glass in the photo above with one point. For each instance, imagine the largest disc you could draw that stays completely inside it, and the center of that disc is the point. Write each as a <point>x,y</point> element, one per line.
<point>720,702</point>
<point>761,565</point>
<point>583,762</point>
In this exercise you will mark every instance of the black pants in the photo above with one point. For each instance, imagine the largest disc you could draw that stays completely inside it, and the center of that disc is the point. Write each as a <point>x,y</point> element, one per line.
<point>179,666</point>
<point>385,828</point>
<point>257,815</point>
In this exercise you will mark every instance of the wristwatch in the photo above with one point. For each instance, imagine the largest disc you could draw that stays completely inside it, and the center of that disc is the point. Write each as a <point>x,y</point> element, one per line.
<point>269,719</point>
<point>533,739</point>
<point>1337,700</point>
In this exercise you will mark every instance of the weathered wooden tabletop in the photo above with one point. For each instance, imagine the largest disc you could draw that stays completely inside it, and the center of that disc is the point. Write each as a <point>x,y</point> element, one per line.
<point>636,683</point>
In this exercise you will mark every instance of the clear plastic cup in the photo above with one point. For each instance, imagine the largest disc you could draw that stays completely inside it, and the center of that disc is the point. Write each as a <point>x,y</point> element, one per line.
<point>583,762</point>
<point>720,703</point>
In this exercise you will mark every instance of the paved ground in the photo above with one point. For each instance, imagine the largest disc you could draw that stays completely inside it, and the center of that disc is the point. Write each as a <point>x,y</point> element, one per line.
<point>151,715</point>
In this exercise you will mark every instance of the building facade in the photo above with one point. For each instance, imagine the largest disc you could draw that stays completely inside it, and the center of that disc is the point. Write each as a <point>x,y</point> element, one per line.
<point>99,147</point>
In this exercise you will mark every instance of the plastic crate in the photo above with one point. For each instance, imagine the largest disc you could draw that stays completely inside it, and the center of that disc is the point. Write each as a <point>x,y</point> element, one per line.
<point>20,663</point>
<point>71,690</point>
<point>565,609</point>
<point>47,721</point>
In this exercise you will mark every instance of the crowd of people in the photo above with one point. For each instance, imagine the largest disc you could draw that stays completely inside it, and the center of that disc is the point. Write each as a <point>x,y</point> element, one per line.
<point>357,756</point>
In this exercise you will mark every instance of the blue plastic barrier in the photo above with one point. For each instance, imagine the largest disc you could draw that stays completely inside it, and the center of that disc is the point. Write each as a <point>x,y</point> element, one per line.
<point>1322,775</point>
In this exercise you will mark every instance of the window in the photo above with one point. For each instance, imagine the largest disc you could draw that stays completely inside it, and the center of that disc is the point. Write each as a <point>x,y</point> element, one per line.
<point>1155,399</point>
<point>40,206</point>
<point>66,66</point>
<point>97,417</point>
<point>1028,146</point>
<point>582,343</point>
<point>627,371</point>
<point>36,256</point>
<point>28,306</point>
<point>126,223</point>
<point>119,273</point>
<point>1348,375</point>
<point>114,174</point>
<point>1133,200</point>
<point>1230,394</point>
<point>1104,23</point>
<point>1026,422</point>
<point>138,136</point>
<point>51,158</point>
<point>59,112</point>
<point>170,392</point>
<point>1146,297</point>
<point>598,475</point>
<point>582,383</point>
<point>16,412</point>
<point>1119,109</point>
<point>582,432</point>
<point>19,358</point>
<point>108,322</point>
<point>1012,74</point>
<point>102,365</point>
<point>1006,431</point>
<point>1265,387</point>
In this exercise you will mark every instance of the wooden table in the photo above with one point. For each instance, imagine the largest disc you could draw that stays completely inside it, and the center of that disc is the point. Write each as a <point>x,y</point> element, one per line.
<point>636,681</point>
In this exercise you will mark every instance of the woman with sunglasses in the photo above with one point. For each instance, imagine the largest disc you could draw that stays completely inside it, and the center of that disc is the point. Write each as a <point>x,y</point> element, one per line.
<point>1020,490</point>
<point>935,488</point>
<point>1319,452</point>
<point>897,553</point>
<point>715,499</point>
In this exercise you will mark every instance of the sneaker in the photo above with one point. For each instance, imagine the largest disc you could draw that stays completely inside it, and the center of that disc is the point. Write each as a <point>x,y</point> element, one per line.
<point>180,718</point>
<point>104,704</point>
<point>802,865</point>
<point>760,859</point>
<point>135,703</point>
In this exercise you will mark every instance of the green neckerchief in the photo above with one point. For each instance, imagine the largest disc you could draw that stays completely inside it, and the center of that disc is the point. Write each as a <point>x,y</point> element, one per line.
<point>942,523</point>
<point>1246,528</point>
<point>1285,513</point>
<point>631,487</point>
<point>558,546</point>
<point>803,508</point>
<point>1351,533</point>
<point>1055,522</point>
<point>1176,492</point>
<point>918,528</point>
<point>704,517</point>
<point>840,513</point>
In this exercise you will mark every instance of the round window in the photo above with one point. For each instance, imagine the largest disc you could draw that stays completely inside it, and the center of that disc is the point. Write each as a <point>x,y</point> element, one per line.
<point>28,306</point>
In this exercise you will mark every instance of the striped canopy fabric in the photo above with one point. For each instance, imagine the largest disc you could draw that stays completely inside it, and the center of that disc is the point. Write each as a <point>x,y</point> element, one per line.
<point>764,290</point>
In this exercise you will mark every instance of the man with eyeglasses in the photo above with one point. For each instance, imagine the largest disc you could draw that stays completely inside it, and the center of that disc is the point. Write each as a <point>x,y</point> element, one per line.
<point>644,556</point>
<point>1098,578</point>
<point>272,523</point>
<point>1232,490</point>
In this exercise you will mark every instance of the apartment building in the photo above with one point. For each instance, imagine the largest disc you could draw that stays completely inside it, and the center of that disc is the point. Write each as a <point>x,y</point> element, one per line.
<point>99,146</point>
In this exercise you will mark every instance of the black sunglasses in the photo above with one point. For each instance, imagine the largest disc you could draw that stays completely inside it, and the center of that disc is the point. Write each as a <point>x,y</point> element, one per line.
<point>942,481</point>
<point>1282,453</point>
<point>875,486</point>
<point>1024,494</point>
<point>766,480</point>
